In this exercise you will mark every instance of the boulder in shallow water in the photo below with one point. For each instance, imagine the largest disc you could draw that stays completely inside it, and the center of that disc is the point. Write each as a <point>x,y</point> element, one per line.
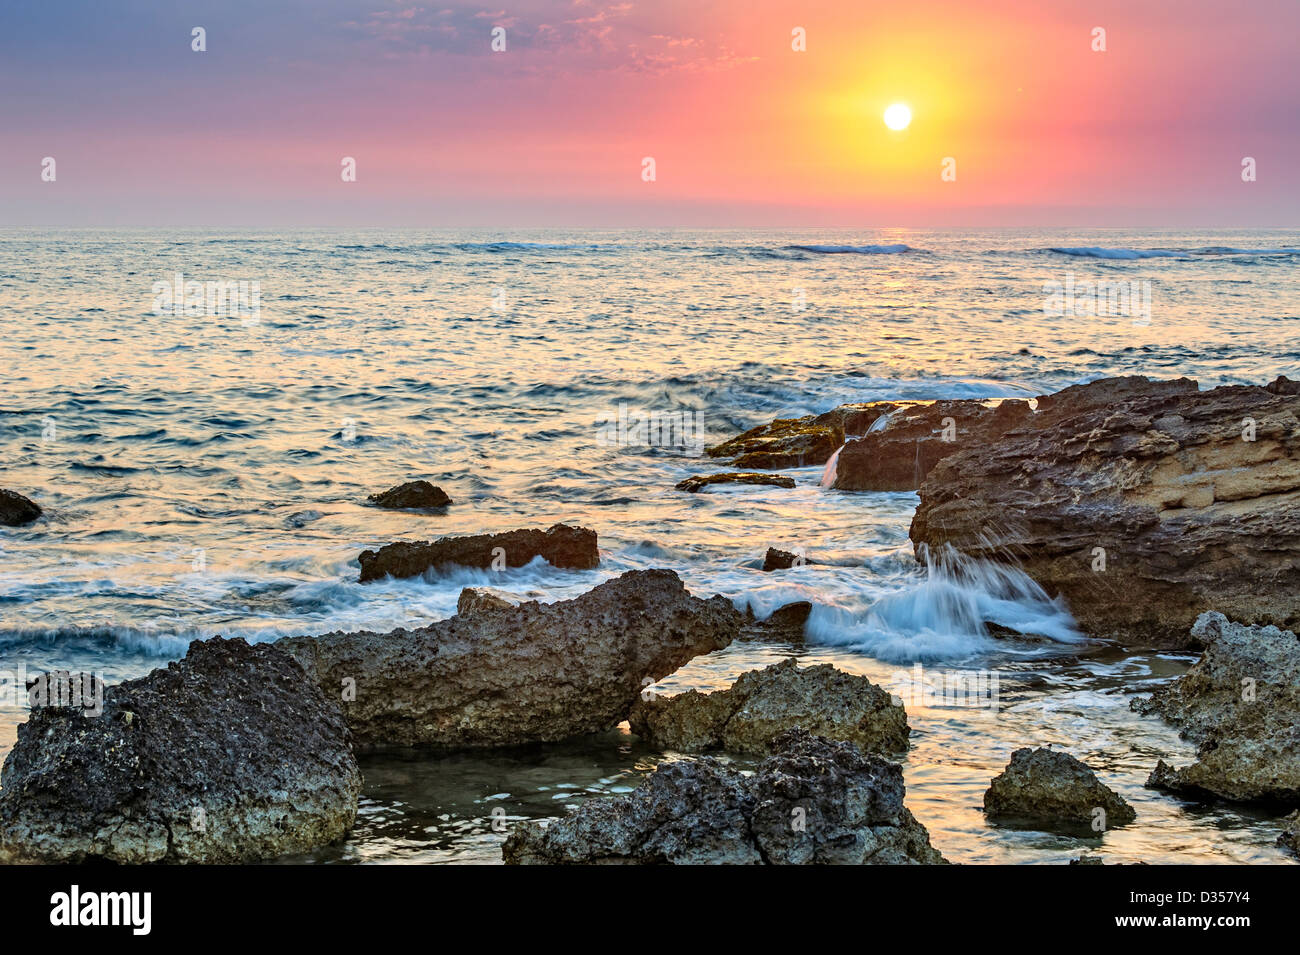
<point>1143,514</point>
<point>560,545</point>
<point>230,755</point>
<point>813,802</point>
<point>697,483</point>
<point>479,599</point>
<point>1241,704</point>
<point>776,559</point>
<point>413,495</point>
<point>526,674</point>
<point>1049,786</point>
<point>16,510</point>
<point>762,704</point>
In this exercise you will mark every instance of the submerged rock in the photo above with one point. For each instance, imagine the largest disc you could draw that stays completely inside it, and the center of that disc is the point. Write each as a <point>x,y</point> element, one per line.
<point>412,495</point>
<point>800,442</point>
<point>762,704</point>
<point>697,483</point>
<point>1143,513</point>
<point>478,599</point>
<point>813,802</point>
<point>561,546</point>
<point>1050,786</point>
<point>1241,704</point>
<point>532,673</point>
<point>16,510</point>
<point>230,755</point>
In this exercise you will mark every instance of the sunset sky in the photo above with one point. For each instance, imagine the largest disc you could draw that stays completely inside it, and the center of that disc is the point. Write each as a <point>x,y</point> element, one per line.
<point>743,129</point>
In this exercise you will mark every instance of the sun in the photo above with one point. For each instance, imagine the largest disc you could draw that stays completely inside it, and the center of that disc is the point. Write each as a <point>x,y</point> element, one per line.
<point>898,116</point>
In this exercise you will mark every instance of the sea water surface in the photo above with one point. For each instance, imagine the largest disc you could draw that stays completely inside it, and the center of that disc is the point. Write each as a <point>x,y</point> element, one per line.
<point>207,474</point>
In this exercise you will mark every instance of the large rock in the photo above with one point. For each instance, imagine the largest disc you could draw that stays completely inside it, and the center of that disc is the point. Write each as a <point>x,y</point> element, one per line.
<point>1142,514</point>
<point>800,442</point>
<point>762,704</point>
<point>228,756</point>
<point>532,673</point>
<point>1241,704</point>
<point>413,495</point>
<point>561,546</point>
<point>814,802</point>
<point>1053,787</point>
<point>16,510</point>
<point>900,451</point>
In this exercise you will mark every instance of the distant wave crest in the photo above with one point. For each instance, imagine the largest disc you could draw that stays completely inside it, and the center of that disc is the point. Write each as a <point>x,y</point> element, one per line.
<point>853,249</point>
<point>1100,252</point>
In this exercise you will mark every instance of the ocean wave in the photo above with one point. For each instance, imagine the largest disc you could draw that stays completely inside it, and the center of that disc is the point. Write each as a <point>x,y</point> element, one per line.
<point>854,249</point>
<point>1100,252</point>
<point>946,617</point>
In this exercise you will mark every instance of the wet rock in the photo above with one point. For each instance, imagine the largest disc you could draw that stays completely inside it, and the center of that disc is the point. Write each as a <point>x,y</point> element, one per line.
<point>1290,837</point>
<point>479,599</point>
<point>413,495</point>
<point>532,673</point>
<point>762,704</point>
<point>1053,787</point>
<point>1142,514</point>
<point>783,560</point>
<point>230,755</point>
<point>697,483</point>
<point>813,802</point>
<point>561,545</point>
<point>1241,704</point>
<point>800,442</point>
<point>784,624</point>
<point>16,510</point>
<point>898,456</point>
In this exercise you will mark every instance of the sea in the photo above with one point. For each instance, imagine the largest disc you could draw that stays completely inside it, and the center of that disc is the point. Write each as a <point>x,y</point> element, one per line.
<point>202,415</point>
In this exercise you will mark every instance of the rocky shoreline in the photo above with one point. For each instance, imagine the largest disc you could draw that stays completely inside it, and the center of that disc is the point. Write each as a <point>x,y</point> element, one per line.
<point>1163,516</point>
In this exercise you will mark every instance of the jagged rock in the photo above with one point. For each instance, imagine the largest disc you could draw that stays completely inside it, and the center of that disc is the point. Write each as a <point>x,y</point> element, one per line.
<point>800,442</point>
<point>1290,837</point>
<point>230,755</point>
<point>478,599</point>
<point>784,624</point>
<point>532,673</point>
<point>762,704</point>
<point>1241,704</point>
<point>1142,514</point>
<point>1282,385</point>
<point>412,495</point>
<point>783,560</point>
<point>1054,787</point>
<point>898,453</point>
<point>699,482</point>
<point>16,510</point>
<point>561,546</point>
<point>812,802</point>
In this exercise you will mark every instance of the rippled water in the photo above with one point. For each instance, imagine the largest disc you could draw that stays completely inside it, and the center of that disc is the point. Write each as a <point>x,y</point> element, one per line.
<point>205,475</point>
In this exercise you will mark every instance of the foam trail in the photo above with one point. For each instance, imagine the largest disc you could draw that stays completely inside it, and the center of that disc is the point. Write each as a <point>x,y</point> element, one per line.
<point>946,616</point>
